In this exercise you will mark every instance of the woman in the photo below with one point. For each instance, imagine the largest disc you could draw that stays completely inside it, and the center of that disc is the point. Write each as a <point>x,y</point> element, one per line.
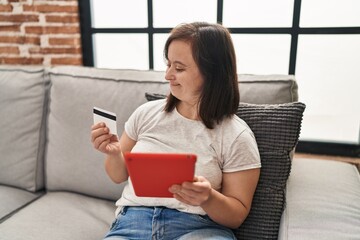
<point>199,117</point>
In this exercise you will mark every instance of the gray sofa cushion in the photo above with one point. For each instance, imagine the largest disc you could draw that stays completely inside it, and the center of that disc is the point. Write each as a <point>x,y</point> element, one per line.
<point>323,201</point>
<point>77,166</point>
<point>259,89</point>
<point>59,216</point>
<point>276,128</point>
<point>12,199</point>
<point>267,88</point>
<point>72,162</point>
<point>23,93</point>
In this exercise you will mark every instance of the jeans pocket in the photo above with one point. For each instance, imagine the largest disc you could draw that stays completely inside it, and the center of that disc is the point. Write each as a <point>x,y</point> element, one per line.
<point>115,223</point>
<point>204,219</point>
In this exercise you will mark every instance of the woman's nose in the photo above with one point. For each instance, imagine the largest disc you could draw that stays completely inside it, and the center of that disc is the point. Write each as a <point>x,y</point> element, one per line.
<point>169,75</point>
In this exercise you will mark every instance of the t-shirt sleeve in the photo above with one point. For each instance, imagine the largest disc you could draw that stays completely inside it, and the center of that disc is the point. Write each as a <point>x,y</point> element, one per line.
<point>134,125</point>
<point>243,154</point>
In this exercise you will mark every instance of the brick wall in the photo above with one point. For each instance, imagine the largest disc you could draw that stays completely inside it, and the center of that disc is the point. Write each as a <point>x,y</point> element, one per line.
<point>40,32</point>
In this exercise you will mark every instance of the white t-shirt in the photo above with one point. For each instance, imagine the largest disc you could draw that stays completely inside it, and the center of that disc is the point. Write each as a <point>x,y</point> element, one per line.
<point>229,147</point>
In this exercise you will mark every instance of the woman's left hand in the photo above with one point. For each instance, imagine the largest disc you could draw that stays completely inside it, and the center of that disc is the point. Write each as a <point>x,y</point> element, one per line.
<point>193,193</point>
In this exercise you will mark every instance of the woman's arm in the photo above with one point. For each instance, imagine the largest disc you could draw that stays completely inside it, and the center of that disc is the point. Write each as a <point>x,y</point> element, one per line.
<point>229,207</point>
<point>232,206</point>
<point>115,164</point>
<point>113,148</point>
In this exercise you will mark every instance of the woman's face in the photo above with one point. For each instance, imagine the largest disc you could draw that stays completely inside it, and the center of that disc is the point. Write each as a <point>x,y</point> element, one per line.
<point>183,74</point>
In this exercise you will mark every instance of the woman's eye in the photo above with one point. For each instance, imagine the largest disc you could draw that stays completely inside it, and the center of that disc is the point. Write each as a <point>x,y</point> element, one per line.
<point>177,68</point>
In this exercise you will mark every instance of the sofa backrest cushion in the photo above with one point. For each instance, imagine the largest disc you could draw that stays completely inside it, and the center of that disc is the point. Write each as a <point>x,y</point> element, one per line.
<point>268,89</point>
<point>23,94</point>
<point>259,89</point>
<point>72,162</point>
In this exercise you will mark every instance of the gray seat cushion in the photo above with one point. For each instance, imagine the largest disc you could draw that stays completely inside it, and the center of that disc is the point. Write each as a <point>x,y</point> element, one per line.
<point>13,199</point>
<point>323,201</point>
<point>59,216</point>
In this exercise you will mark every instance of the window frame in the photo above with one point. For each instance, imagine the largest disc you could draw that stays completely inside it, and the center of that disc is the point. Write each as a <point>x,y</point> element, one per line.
<point>343,149</point>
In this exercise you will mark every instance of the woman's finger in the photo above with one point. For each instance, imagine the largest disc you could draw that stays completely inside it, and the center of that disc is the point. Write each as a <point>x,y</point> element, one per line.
<point>99,140</point>
<point>98,132</point>
<point>98,125</point>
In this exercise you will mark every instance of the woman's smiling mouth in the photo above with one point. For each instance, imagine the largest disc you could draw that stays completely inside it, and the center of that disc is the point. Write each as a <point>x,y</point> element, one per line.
<point>173,84</point>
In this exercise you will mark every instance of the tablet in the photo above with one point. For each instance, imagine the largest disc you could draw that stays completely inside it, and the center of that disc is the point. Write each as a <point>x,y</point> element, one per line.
<point>152,174</point>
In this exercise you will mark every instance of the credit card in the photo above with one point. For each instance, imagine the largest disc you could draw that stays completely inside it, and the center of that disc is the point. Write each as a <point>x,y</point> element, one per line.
<point>107,117</point>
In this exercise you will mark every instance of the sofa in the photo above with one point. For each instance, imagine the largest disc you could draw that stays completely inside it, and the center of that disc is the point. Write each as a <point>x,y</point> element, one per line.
<point>53,184</point>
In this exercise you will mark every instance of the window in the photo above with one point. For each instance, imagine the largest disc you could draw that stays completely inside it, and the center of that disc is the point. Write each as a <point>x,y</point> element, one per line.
<point>169,13</point>
<point>262,53</point>
<point>317,40</point>
<point>334,113</point>
<point>255,13</point>
<point>113,50</point>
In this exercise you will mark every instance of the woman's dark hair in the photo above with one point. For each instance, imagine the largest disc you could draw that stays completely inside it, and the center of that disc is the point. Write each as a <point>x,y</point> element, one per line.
<point>214,54</point>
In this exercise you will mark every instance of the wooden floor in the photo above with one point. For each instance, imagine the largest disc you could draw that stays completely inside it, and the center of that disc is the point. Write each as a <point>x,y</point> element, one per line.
<point>355,161</point>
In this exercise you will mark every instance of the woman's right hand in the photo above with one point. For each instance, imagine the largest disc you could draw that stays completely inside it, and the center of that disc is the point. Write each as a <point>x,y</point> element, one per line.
<point>104,141</point>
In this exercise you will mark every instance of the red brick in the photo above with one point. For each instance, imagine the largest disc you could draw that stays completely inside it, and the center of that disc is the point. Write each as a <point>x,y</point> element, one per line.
<point>21,60</point>
<point>51,30</point>
<point>70,50</point>
<point>67,61</point>
<point>45,8</point>
<point>19,18</point>
<point>63,19</point>
<point>9,50</point>
<point>42,1</point>
<point>65,41</point>
<point>35,30</point>
<point>6,8</point>
<point>32,40</point>
<point>62,29</point>
<point>9,28</point>
<point>20,40</point>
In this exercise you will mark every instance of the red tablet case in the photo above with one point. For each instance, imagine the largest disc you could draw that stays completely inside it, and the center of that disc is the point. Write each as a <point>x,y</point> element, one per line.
<point>153,173</point>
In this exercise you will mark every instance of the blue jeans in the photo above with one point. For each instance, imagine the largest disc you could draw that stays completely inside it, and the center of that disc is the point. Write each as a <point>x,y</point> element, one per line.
<point>155,223</point>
